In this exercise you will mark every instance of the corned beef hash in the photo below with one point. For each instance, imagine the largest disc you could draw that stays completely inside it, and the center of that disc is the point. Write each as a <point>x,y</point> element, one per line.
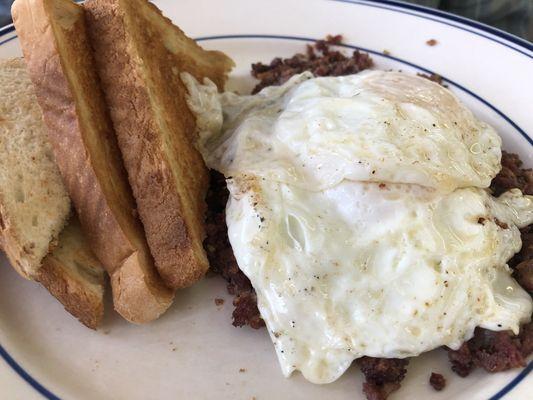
<point>366,215</point>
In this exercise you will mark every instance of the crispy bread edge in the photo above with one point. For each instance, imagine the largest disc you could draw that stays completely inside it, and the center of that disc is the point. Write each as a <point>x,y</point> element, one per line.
<point>147,299</point>
<point>175,237</point>
<point>86,306</point>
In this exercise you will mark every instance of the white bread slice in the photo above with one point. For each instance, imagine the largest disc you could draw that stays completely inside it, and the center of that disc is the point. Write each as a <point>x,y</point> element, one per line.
<point>74,276</point>
<point>139,55</point>
<point>34,204</point>
<point>59,58</point>
<point>27,167</point>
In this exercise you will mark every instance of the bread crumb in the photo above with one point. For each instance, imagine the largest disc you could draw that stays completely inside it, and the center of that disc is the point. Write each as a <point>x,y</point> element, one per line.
<point>386,52</point>
<point>432,42</point>
<point>242,370</point>
<point>219,302</point>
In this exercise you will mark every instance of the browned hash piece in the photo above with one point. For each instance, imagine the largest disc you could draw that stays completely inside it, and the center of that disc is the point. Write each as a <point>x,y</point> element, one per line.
<point>461,360</point>
<point>221,256</point>
<point>246,312</point>
<point>523,271</point>
<point>526,340</point>
<point>319,58</point>
<point>522,262</point>
<point>493,351</point>
<point>499,351</point>
<point>437,381</point>
<point>434,78</point>
<point>382,376</point>
<point>512,176</point>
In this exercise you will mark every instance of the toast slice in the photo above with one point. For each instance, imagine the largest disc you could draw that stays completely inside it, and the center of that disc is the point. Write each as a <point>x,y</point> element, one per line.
<point>139,56</point>
<point>59,58</point>
<point>34,204</point>
<point>74,276</point>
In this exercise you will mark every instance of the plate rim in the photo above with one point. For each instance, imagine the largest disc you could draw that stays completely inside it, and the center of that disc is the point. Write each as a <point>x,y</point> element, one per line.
<point>390,5</point>
<point>405,8</point>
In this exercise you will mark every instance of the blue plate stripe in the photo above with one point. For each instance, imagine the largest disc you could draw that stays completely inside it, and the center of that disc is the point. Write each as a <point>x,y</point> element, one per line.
<point>511,385</point>
<point>386,5</point>
<point>8,40</point>
<point>6,29</point>
<point>27,377</point>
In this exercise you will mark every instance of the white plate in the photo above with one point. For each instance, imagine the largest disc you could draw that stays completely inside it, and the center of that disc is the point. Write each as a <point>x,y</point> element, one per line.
<point>193,352</point>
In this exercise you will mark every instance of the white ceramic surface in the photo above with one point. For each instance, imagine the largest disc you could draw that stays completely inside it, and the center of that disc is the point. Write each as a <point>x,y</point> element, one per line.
<point>193,352</point>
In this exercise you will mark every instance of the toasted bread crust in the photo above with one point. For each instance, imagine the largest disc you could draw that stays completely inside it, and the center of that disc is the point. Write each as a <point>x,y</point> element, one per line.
<point>139,55</point>
<point>74,276</point>
<point>87,307</point>
<point>61,66</point>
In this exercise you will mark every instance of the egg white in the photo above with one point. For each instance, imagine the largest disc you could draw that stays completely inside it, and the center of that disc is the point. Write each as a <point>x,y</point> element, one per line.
<point>384,272</point>
<point>359,212</point>
<point>374,126</point>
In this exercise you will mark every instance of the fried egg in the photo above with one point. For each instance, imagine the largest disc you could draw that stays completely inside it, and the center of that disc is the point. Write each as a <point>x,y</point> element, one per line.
<point>374,126</point>
<point>359,210</point>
